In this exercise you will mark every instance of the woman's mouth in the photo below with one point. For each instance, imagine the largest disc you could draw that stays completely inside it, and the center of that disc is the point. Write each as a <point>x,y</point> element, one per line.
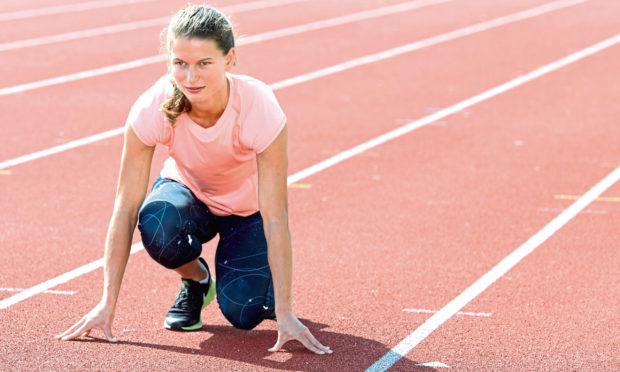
<point>194,90</point>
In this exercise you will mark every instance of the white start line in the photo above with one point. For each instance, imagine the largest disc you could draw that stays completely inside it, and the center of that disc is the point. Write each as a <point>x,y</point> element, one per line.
<point>433,365</point>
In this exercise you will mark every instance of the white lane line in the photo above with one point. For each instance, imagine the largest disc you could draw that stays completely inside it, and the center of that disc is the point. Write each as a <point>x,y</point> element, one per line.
<point>288,31</point>
<point>455,306</point>
<point>426,311</point>
<point>278,85</point>
<point>58,9</point>
<point>61,148</point>
<point>130,26</point>
<point>82,75</point>
<point>349,18</point>
<point>42,287</point>
<point>48,291</point>
<point>516,256</point>
<point>462,32</point>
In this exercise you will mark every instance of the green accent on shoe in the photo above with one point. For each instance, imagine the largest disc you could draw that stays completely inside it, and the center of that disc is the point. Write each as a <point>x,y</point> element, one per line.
<point>188,328</point>
<point>210,294</point>
<point>194,327</point>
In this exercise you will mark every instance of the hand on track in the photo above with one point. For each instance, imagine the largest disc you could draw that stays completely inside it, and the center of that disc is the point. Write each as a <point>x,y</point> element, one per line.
<point>290,328</point>
<point>100,316</point>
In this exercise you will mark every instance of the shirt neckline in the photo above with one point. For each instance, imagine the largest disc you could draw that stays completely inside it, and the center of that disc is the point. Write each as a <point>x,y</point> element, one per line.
<point>212,131</point>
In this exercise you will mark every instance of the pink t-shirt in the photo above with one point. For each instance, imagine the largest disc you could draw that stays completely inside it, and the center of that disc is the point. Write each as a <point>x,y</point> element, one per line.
<point>218,163</point>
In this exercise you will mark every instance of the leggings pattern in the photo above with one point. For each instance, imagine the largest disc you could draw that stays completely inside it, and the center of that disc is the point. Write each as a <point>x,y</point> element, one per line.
<point>174,224</point>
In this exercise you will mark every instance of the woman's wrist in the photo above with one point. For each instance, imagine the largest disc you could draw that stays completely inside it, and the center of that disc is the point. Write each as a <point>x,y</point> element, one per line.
<point>283,309</point>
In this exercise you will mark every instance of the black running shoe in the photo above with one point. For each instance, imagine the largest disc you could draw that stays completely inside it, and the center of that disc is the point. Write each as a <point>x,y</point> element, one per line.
<point>184,315</point>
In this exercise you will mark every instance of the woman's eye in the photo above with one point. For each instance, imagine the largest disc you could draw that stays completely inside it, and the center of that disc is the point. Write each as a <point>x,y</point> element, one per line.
<point>179,63</point>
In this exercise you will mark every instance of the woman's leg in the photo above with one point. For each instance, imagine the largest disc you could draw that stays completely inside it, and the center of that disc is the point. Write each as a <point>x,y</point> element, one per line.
<point>244,287</point>
<point>174,224</point>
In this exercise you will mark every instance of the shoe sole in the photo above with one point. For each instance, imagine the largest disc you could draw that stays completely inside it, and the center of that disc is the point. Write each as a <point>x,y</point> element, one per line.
<point>207,300</point>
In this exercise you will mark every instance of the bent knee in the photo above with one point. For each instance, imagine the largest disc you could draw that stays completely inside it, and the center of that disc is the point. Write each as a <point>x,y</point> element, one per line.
<point>246,316</point>
<point>163,235</point>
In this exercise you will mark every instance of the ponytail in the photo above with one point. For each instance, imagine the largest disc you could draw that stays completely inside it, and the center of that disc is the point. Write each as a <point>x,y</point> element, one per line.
<point>175,104</point>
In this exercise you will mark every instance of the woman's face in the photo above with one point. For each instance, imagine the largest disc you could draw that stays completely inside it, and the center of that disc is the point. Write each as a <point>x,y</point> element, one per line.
<point>199,68</point>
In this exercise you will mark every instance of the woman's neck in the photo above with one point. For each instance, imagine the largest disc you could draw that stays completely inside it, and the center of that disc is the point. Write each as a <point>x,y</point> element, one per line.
<point>206,114</point>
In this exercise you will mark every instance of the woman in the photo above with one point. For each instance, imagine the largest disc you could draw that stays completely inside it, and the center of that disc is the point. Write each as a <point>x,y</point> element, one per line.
<point>227,140</point>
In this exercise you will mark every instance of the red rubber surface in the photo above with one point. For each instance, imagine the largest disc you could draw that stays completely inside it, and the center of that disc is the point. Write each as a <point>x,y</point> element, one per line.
<point>406,225</point>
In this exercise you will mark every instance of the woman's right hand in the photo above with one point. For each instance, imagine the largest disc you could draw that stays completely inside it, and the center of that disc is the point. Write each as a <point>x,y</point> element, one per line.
<point>101,316</point>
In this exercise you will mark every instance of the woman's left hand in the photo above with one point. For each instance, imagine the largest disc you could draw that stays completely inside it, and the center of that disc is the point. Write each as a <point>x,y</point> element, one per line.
<point>290,328</point>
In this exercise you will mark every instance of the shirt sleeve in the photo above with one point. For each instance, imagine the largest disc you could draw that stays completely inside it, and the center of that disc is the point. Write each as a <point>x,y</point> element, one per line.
<point>263,119</point>
<point>145,117</point>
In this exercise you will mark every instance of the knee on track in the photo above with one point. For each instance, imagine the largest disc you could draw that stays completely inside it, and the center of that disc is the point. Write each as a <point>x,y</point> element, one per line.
<point>164,236</point>
<point>245,317</point>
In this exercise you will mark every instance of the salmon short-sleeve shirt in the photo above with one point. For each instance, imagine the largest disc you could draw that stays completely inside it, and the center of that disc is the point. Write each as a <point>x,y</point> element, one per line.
<point>218,164</point>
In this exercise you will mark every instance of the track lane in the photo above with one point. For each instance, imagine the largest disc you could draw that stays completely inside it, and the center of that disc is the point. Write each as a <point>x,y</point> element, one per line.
<point>77,127</point>
<point>300,151</point>
<point>17,29</point>
<point>309,252</point>
<point>556,309</point>
<point>432,266</point>
<point>36,8</point>
<point>103,50</point>
<point>43,105</point>
<point>355,127</point>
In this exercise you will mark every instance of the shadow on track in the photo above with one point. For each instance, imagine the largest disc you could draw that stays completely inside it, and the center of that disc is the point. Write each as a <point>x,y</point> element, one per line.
<point>250,347</point>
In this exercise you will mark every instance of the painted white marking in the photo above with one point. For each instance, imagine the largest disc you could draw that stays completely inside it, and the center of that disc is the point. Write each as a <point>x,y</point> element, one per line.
<point>434,365</point>
<point>136,25</point>
<point>586,211</point>
<point>47,291</point>
<point>58,9</point>
<point>396,353</point>
<point>349,18</point>
<point>42,287</point>
<point>82,75</point>
<point>61,148</point>
<point>160,58</point>
<point>425,311</point>
<point>130,26</point>
<point>462,32</point>
<point>275,86</point>
<point>515,257</point>
<point>457,304</point>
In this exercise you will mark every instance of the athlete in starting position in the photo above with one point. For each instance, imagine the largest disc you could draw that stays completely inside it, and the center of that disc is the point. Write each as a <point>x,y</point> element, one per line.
<point>226,173</point>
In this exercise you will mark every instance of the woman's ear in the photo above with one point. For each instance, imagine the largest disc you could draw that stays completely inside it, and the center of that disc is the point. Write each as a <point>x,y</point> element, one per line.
<point>231,59</point>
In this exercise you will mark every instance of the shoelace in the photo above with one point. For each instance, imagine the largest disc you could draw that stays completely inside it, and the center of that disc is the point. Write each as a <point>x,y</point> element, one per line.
<point>185,298</point>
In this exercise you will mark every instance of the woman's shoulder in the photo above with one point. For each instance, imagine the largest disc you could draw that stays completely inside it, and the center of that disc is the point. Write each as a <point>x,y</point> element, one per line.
<point>261,117</point>
<point>146,117</point>
<point>248,86</point>
<point>149,102</point>
<point>156,93</point>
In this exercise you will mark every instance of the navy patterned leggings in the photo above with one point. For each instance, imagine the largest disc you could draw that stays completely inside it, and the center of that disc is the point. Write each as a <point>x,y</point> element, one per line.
<point>174,224</point>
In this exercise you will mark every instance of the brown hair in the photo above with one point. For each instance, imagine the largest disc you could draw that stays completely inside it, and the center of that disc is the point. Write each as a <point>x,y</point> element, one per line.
<point>201,22</point>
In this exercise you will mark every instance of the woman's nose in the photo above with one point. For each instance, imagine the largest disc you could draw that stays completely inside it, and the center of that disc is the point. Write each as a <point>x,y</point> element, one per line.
<point>192,74</point>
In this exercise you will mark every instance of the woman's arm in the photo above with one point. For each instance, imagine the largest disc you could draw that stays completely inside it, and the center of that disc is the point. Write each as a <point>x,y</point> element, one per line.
<point>273,205</point>
<point>131,190</point>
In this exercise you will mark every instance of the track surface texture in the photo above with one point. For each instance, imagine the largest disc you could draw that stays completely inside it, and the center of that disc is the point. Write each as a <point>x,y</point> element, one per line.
<point>383,238</point>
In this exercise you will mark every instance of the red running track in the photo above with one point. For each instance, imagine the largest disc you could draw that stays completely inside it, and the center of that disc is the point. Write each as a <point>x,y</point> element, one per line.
<point>406,225</point>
